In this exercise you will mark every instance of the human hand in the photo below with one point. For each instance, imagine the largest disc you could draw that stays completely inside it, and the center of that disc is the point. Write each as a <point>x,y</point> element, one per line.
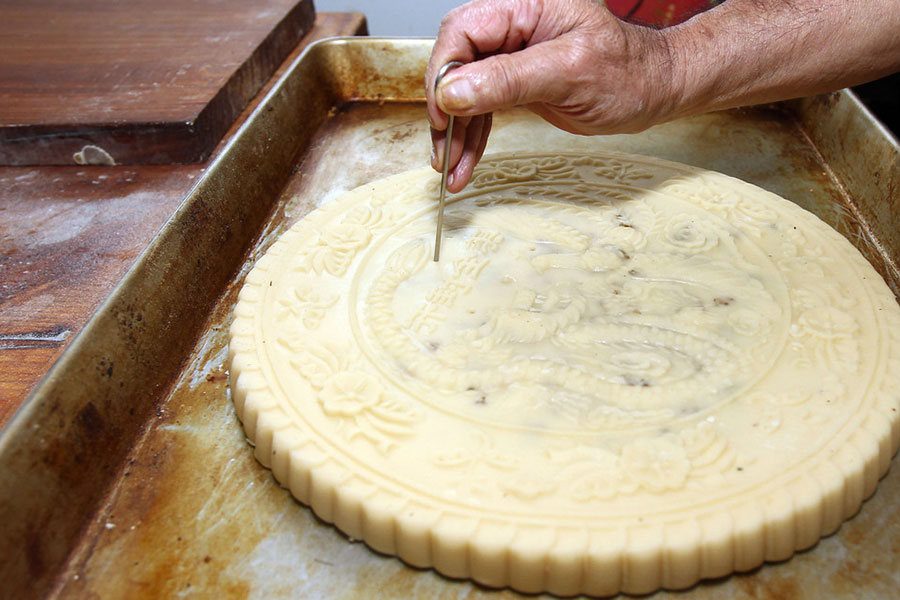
<point>572,62</point>
<point>580,68</point>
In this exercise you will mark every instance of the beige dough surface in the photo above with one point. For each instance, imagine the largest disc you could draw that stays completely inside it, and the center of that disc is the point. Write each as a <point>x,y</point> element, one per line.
<point>623,374</point>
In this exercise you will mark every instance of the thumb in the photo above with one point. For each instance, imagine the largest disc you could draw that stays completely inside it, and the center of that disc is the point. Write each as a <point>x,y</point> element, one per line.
<point>539,73</point>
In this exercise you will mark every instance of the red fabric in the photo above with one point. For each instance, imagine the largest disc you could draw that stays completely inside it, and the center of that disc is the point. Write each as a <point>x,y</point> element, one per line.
<point>657,13</point>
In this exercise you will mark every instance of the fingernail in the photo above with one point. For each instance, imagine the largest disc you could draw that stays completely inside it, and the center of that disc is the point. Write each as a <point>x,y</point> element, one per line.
<point>450,179</point>
<point>433,156</point>
<point>458,94</point>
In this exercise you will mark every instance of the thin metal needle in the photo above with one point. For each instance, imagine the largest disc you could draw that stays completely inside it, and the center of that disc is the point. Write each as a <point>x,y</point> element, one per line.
<point>447,140</point>
<point>440,218</point>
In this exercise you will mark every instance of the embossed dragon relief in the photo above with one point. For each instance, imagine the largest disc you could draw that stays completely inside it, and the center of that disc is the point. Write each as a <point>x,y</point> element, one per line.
<point>549,308</point>
<point>636,298</point>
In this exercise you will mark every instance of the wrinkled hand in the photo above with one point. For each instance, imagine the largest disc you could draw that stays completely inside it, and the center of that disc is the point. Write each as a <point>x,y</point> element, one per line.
<point>572,62</point>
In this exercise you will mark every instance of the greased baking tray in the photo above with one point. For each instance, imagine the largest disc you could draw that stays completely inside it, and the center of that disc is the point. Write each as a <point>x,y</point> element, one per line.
<point>126,472</point>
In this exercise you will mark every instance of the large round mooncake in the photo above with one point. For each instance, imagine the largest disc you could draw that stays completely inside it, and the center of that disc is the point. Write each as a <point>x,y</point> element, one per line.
<point>623,374</point>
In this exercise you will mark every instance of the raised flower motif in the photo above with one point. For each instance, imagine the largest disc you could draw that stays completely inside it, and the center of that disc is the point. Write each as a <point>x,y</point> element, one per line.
<point>337,247</point>
<point>757,211</point>
<point>349,394</point>
<point>599,485</point>
<point>511,172</point>
<point>688,234</point>
<point>346,236</point>
<point>718,199</point>
<point>827,332</point>
<point>827,322</point>
<point>553,165</point>
<point>307,304</point>
<point>514,171</point>
<point>656,464</point>
<point>365,215</point>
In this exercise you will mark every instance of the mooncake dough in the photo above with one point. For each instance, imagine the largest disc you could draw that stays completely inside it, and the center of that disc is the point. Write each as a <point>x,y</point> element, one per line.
<point>623,374</point>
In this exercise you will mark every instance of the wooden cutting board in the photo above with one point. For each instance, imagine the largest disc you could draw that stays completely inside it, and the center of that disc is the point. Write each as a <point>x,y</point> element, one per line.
<point>134,81</point>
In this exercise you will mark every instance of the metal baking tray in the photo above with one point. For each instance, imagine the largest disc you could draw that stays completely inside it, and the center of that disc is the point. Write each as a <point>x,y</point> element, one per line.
<point>126,472</point>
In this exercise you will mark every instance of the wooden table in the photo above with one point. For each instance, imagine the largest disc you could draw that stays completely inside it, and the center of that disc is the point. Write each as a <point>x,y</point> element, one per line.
<point>134,82</point>
<point>69,234</point>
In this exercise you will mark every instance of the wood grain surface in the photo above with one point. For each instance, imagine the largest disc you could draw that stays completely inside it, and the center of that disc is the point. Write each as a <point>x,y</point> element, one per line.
<point>69,234</point>
<point>148,82</point>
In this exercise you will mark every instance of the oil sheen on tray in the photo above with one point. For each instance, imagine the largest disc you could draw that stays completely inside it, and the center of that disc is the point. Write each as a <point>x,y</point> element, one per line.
<point>623,374</point>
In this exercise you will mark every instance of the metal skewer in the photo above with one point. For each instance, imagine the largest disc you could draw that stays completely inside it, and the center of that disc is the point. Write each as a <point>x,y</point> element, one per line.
<point>447,140</point>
